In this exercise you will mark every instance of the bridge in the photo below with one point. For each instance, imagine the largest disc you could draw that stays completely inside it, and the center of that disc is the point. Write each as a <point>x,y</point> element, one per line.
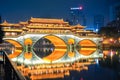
<point>52,48</point>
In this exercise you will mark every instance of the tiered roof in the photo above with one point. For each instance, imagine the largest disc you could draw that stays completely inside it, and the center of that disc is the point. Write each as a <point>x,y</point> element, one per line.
<point>43,20</point>
<point>79,26</point>
<point>5,23</point>
<point>30,25</point>
<point>23,23</point>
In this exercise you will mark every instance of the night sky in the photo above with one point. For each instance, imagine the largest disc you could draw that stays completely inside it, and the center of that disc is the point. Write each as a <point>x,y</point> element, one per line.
<point>21,10</point>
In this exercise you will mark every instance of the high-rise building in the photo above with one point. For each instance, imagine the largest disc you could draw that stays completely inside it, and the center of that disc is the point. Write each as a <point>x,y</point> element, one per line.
<point>77,16</point>
<point>115,11</point>
<point>98,22</point>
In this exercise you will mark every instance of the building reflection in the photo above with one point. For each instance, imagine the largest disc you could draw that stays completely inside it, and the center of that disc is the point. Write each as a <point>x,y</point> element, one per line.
<point>7,47</point>
<point>43,47</point>
<point>51,70</point>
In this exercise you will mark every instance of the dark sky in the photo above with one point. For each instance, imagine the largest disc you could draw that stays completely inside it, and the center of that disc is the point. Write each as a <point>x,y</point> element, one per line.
<point>21,10</point>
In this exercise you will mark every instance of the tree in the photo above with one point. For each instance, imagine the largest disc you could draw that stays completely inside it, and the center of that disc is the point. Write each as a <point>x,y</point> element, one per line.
<point>1,35</point>
<point>112,29</point>
<point>108,31</point>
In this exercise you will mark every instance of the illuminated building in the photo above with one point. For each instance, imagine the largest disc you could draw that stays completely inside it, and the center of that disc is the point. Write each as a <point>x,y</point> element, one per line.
<point>39,41</point>
<point>50,48</point>
<point>77,16</point>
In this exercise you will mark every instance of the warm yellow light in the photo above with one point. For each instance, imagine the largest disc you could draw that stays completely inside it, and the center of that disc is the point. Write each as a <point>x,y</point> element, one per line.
<point>71,41</point>
<point>71,54</point>
<point>111,39</point>
<point>28,41</point>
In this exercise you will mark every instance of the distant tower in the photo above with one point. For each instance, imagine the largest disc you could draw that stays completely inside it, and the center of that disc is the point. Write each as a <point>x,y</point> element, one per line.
<point>98,22</point>
<point>77,16</point>
<point>117,12</point>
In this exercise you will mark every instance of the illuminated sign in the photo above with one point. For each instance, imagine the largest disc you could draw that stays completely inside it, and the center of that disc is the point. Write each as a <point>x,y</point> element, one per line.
<point>77,8</point>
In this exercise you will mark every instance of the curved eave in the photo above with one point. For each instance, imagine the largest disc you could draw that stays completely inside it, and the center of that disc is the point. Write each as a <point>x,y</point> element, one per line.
<point>84,31</point>
<point>23,23</point>
<point>36,27</point>
<point>45,22</point>
<point>25,28</point>
<point>9,25</point>
<point>80,27</point>
<point>12,30</point>
<point>5,25</point>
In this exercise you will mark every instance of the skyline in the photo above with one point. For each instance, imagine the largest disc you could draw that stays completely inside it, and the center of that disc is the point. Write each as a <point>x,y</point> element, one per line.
<point>21,10</point>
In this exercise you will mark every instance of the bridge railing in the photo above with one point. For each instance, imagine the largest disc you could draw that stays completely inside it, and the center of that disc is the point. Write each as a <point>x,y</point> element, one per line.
<point>10,70</point>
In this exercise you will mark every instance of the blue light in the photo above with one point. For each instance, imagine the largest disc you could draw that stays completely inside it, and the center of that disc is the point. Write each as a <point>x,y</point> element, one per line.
<point>77,8</point>
<point>97,61</point>
<point>96,30</point>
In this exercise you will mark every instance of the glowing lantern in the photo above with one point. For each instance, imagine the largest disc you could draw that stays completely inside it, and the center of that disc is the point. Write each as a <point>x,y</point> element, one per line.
<point>71,41</point>
<point>71,54</point>
<point>28,41</point>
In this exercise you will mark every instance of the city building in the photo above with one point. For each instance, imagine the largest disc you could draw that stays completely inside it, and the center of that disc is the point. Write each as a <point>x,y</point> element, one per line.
<point>98,22</point>
<point>115,11</point>
<point>77,16</point>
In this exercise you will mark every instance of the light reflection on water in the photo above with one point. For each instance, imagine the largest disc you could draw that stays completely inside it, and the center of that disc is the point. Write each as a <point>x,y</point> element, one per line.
<point>95,72</point>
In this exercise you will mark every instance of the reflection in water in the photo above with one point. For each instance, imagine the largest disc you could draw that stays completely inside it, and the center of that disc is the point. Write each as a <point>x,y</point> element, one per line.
<point>97,61</point>
<point>43,47</point>
<point>87,47</point>
<point>7,47</point>
<point>111,59</point>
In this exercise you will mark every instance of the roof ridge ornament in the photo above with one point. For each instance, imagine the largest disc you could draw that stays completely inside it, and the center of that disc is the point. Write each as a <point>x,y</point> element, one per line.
<point>5,22</point>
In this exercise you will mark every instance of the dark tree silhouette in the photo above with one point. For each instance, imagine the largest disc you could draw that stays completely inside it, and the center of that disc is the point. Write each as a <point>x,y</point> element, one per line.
<point>1,34</point>
<point>108,31</point>
<point>1,31</point>
<point>112,29</point>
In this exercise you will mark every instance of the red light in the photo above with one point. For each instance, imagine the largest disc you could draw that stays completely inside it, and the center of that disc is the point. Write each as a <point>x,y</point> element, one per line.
<point>80,7</point>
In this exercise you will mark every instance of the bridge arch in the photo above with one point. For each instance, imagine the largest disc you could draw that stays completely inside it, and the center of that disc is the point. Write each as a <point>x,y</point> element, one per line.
<point>16,50</point>
<point>57,50</point>
<point>87,47</point>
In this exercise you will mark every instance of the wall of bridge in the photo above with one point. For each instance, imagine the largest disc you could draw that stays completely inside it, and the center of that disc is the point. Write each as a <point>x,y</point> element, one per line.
<point>65,48</point>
